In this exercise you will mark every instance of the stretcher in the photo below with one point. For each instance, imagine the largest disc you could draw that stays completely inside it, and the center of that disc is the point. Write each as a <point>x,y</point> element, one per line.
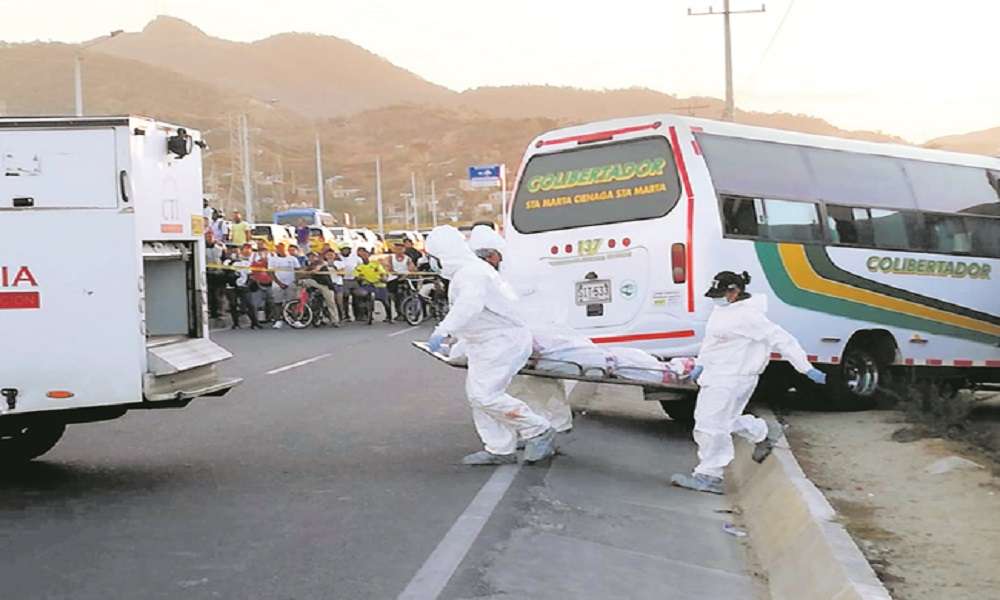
<point>577,372</point>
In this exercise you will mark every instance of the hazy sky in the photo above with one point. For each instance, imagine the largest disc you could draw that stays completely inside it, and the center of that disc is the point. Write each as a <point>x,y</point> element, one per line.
<point>916,68</point>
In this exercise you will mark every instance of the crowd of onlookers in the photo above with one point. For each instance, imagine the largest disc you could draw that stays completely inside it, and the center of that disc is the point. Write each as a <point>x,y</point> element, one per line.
<point>255,279</point>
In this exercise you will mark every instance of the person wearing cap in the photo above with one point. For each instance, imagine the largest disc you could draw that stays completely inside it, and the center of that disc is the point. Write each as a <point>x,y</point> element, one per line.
<point>240,295</point>
<point>739,340</point>
<point>371,276</point>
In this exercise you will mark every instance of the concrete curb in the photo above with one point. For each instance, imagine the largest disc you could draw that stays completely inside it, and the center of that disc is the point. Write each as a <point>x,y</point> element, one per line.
<point>794,531</point>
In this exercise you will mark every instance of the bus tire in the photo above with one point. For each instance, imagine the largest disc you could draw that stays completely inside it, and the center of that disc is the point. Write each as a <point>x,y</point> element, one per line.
<point>28,441</point>
<point>681,410</point>
<point>855,383</point>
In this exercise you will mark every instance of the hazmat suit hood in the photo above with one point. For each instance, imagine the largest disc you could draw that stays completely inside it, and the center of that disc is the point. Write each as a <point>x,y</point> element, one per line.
<point>486,237</point>
<point>448,245</point>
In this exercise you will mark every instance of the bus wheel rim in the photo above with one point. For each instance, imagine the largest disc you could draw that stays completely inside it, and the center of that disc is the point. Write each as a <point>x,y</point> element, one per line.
<point>861,374</point>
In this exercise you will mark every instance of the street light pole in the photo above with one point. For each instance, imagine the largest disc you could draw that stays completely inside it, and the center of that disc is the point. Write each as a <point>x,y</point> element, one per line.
<point>434,205</point>
<point>378,196</point>
<point>319,175</point>
<point>78,69</point>
<point>78,84</point>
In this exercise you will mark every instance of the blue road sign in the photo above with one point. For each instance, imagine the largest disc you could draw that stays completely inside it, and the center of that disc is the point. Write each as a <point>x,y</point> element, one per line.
<point>481,176</point>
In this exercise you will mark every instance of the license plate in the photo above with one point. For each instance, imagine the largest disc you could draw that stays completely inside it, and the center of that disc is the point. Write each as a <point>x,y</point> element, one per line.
<point>594,291</point>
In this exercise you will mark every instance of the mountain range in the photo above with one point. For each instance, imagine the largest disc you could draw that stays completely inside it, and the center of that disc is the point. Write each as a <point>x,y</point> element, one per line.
<point>293,86</point>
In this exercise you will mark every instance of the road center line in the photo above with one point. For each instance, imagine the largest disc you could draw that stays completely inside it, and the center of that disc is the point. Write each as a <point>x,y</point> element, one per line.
<point>297,364</point>
<point>403,331</point>
<point>437,570</point>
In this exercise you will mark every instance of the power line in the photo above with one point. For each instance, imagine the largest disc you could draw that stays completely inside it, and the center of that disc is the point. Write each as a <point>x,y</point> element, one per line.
<point>750,80</point>
<point>726,12</point>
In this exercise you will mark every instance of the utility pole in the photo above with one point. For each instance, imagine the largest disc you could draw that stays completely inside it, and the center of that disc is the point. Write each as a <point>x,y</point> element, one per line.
<point>378,196</point>
<point>413,199</point>
<point>434,206</point>
<point>319,175</point>
<point>247,169</point>
<point>727,115</point>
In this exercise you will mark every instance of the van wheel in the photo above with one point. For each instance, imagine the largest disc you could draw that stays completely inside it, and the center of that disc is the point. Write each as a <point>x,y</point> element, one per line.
<point>28,441</point>
<point>681,410</point>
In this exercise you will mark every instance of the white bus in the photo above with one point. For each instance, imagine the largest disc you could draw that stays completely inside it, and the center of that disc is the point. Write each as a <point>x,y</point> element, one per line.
<point>873,255</point>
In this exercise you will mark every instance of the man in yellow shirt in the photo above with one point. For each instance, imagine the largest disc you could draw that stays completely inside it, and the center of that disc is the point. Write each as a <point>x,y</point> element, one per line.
<point>239,231</point>
<point>371,276</point>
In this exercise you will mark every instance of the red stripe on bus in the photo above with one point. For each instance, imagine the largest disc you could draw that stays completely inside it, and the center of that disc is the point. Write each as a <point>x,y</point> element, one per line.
<point>697,147</point>
<point>775,356</point>
<point>908,361</point>
<point>679,159</point>
<point>835,359</point>
<point>812,358</point>
<point>993,363</point>
<point>16,300</point>
<point>934,362</point>
<point>638,337</point>
<point>600,135</point>
<point>963,362</point>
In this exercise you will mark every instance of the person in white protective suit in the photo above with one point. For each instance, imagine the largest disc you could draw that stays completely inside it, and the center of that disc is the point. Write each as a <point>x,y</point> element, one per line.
<point>738,343</point>
<point>483,316</point>
<point>547,397</point>
<point>560,349</point>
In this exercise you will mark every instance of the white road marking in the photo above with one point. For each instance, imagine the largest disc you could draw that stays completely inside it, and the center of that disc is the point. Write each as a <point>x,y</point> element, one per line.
<point>297,364</point>
<point>437,570</point>
<point>404,331</point>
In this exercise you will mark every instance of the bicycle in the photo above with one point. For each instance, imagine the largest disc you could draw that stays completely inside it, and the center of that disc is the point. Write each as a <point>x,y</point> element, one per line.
<point>423,297</point>
<point>308,309</point>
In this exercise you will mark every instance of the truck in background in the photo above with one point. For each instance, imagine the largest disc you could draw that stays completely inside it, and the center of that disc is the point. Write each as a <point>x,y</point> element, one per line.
<point>103,304</point>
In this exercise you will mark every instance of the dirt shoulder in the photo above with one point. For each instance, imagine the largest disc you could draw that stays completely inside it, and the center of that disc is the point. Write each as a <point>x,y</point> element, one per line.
<point>928,534</point>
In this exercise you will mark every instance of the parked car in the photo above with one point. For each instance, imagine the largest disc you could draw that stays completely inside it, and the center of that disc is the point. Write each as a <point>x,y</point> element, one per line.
<point>322,237</point>
<point>272,234</point>
<point>368,240</point>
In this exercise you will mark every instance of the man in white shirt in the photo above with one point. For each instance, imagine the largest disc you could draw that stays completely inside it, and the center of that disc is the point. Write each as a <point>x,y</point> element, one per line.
<point>349,262</point>
<point>283,265</point>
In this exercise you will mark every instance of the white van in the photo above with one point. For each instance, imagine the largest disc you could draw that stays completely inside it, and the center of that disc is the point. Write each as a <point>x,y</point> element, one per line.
<point>877,257</point>
<point>102,275</point>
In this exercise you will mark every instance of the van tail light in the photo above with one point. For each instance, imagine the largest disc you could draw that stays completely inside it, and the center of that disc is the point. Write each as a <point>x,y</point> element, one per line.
<point>678,262</point>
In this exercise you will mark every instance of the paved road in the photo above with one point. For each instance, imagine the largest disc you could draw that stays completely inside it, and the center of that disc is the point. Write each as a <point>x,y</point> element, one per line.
<point>338,479</point>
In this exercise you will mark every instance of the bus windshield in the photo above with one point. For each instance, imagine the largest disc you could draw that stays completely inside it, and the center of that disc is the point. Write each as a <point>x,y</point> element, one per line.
<point>598,185</point>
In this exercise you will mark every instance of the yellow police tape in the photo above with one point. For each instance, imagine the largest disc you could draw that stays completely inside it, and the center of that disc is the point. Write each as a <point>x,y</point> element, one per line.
<point>328,271</point>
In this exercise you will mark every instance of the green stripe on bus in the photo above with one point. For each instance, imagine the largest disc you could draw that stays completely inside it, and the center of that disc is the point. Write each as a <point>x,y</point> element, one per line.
<point>789,293</point>
<point>821,263</point>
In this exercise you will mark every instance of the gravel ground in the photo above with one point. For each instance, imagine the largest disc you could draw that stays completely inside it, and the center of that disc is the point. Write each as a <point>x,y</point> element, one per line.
<point>925,510</point>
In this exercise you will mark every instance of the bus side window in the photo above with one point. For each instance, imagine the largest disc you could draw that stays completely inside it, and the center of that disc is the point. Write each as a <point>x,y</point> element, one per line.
<point>739,216</point>
<point>985,236</point>
<point>791,221</point>
<point>947,234</point>
<point>897,230</point>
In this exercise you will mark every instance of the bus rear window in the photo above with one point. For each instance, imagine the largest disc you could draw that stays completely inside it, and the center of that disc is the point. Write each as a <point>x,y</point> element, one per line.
<point>599,185</point>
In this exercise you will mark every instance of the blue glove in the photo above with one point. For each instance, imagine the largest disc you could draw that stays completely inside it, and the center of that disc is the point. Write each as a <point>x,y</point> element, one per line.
<point>817,376</point>
<point>434,343</point>
<point>695,373</point>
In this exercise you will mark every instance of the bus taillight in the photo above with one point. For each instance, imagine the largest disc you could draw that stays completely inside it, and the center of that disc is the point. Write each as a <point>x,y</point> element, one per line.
<point>678,262</point>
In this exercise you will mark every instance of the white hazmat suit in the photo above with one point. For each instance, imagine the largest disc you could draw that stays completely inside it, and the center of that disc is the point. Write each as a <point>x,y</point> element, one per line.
<point>484,316</point>
<point>738,343</point>
<point>547,397</point>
